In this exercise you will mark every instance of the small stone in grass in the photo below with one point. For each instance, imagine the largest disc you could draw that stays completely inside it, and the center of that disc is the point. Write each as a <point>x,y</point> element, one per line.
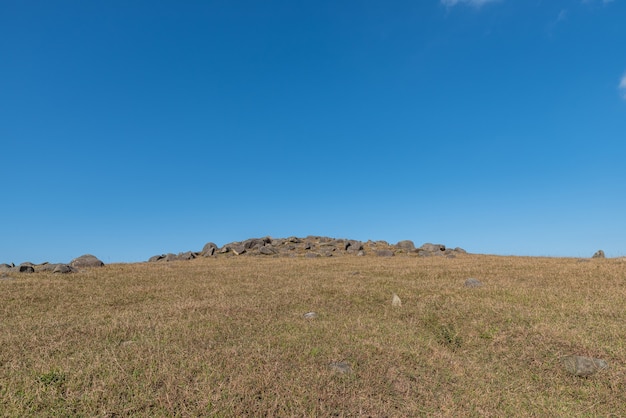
<point>395,300</point>
<point>583,366</point>
<point>310,315</point>
<point>341,367</point>
<point>473,283</point>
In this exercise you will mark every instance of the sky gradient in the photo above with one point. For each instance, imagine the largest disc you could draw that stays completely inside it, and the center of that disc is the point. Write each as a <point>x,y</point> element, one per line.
<point>137,128</point>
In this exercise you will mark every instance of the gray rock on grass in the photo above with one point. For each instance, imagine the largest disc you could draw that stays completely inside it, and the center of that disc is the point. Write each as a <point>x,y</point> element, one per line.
<point>599,254</point>
<point>86,260</point>
<point>583,366</point>
<point>471,282</point>
<point>341,367</point>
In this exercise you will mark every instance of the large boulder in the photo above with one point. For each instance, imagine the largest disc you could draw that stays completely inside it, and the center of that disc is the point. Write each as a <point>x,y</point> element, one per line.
<point>86,260</point>
<point>23,268</point>
<point>63,269</point>
<point>406,245</point>
<point>209,249</point>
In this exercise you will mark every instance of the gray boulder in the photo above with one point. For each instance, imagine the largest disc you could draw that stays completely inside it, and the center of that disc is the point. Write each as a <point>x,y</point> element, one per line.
<point>63,269</point>
<point>156,258</point>
<point>433,248</point>
<point>23,268</point>
<point>406,245</point>
<point>583,366</point>
<point>170,257</point>
<point>189,255</point>
<point>599,254</point>
<point>208,250</point>
<point>267,250</point>
<point>238,249</point>
<point>86,260</point>
<point>385,253</point>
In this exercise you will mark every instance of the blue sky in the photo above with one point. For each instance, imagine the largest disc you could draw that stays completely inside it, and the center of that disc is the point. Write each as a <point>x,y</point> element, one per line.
<point>134,128</point>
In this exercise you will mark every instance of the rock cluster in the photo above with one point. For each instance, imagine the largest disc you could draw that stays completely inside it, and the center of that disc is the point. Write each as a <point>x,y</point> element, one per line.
<point>86,260</point>
<point>311,247</point>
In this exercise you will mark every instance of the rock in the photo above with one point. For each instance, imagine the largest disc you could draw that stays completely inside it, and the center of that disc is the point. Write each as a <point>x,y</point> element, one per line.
<point>170,257</point>
<point>63,269</point>
<point>308,245</point>
<point>310,315</point>
<point>433,248</point>
<point>267,250</point>
<point>599,254</point>
<point>473,283</point>
<point>255,243</point>
<point>189,255</point>
<point>238,249</point>
<point>86,260</point>
<point>583,366</point>
<point>360,253</point>
<point>311,255</point>
<point>5,267</point>
<point>406,245</point>
<point>395,300</point>
<point>208,250</point>
<point>23,269</point>
<point>156,258</point>
<point>385,253</point>
<point>341,367</point>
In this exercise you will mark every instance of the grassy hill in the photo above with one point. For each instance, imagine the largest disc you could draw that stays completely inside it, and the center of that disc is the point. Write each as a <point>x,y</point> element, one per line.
<point>228,337</point>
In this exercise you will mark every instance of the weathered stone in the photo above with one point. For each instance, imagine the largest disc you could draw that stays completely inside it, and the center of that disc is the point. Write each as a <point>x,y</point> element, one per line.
<point>254,242</point>
<point>208,250</point>
<point>238,249</point>
<point>471,282</point>
<point>385,253</point>
<point>583,366</point>
<point>156,258</point>
<point>341,367</point>
<point>433,248</point>
<point>460,250</point>
<point>45,267</point>
<point>189,255</point>
<point>86,260</point>
<point>308,245</point>
<point>360,253</point>
<point>267,250</point>
<point>353,246</point>
<point>311,255</point>
<point>23,269</point>
<point>5,267</point>
<point>63,269</point>
<point>406,245</point>
<point>395,300</point>
<point>170,257</point>
<point>599,254</point>
<point>310,315</point>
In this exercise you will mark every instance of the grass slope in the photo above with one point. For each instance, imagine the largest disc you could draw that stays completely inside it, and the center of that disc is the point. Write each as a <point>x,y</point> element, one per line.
<point>227,337</point>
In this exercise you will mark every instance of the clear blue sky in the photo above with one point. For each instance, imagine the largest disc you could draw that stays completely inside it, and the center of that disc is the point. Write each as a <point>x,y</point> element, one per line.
<point>134,128</point>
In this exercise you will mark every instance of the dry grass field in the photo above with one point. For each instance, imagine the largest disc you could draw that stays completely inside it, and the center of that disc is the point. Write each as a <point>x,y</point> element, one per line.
<point>227,338</point>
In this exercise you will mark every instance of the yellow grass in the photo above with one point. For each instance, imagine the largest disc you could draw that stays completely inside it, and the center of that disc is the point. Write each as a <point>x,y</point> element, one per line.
<point>227,337</point>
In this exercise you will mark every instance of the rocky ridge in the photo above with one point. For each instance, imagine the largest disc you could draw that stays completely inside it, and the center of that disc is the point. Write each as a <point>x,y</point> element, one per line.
<point>311,247</point>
